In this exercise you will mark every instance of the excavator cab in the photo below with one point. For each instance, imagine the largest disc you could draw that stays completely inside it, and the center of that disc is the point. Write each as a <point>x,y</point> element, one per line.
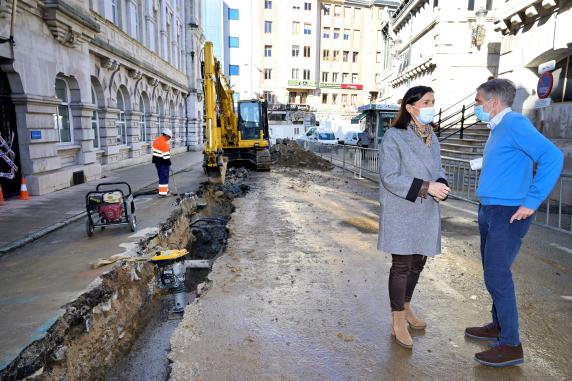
<point>252,120</point>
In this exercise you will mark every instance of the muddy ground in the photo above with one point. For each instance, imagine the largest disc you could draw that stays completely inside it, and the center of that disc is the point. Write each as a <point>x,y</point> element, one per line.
<point>301,294</point>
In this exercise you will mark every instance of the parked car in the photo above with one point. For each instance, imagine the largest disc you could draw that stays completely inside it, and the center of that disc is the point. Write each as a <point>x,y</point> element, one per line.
<point>350,138</point>
<point>322,136</point>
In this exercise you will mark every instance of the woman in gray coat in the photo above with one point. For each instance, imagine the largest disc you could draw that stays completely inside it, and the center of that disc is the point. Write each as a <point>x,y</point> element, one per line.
<point>412,183</point>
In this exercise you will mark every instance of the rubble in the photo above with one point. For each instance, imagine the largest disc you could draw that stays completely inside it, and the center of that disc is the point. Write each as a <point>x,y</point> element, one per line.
<point>288,153</point>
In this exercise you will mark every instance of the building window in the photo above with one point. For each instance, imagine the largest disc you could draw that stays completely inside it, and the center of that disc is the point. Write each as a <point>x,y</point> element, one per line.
<point>348,12</point>
<point>296,130</point>
<point>303,98</point>
<point>325,54</point>
<point>336,56</point>
<point>233,42</point>
<point>307,29</point>
<point>354,78</point>
<point>562,89</point>
<point>337,10</point>
<point>334,99</point>
<point>355,57</point>
<point>324,98</point>
<point>135,21</point>
<point>344,99</point>
<point>326,33</point>
<point>267,4</point>
<point>296,7</point>
<point>354,99</point>
<point>295,50</point>
<point>489,5</point>
<point>378,57</point>
<point>307,6</point>
<point>295,27</point>
<point>377,78</point>
<point>346,34</point>
<point>143,133</point>
<point>306,74</point>
<point>114,12</point>
<point>357,13</point>
<point>234,69</point>
<point>64,122</point>
<point>232,14</point>
<point>471,6</point>
<point>345,56</point>
<point>295,73</point>
<point>120,121</point>
<point>267,50</point>
<point>356,35</point>
<point>335,77</point>
<point>336,33</point>
<point>95,120</point>
<point>268,97</point>
<point>292,97</point>
<point>345,77</point>
<point>267,73</point>
<point>267,26</point>
<point>306,51</point>
<point>325,76</point>
<point>327,8</point>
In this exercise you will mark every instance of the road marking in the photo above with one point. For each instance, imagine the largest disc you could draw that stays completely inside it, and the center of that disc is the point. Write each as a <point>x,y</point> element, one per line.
<point>565,249</point>
<point>460,209</point>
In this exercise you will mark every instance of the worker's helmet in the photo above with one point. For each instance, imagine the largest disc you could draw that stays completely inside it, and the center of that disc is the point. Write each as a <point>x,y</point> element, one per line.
<point>168,132</point>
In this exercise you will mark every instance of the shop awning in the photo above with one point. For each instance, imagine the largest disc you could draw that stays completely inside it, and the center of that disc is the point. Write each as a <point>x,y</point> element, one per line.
<point>358,118</point>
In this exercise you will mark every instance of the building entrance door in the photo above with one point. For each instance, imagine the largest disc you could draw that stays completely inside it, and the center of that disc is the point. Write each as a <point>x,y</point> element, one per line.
<point>9,133</point>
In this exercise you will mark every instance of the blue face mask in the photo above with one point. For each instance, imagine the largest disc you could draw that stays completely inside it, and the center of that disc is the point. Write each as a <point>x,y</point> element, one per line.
<point>481,114</point>
<point>426,115</point>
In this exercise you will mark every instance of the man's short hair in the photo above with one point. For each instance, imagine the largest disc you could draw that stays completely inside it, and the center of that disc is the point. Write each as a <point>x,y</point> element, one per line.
<point>500,88</point>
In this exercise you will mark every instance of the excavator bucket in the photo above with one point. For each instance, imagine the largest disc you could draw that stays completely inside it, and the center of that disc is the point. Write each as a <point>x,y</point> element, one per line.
<point>218,175</point>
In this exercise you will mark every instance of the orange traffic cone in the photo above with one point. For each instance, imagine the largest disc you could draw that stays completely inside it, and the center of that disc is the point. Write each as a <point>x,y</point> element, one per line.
<point>1,196</point>
<point>24,190</point>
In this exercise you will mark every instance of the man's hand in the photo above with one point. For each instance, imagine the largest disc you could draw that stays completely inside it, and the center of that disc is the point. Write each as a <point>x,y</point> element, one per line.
<point>521,214</point>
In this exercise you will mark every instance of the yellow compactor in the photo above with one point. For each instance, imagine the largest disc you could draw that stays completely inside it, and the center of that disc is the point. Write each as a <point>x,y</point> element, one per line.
<point>231,136</point>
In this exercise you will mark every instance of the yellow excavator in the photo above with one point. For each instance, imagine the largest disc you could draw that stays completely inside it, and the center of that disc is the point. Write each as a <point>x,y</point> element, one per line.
<point>231,136</point>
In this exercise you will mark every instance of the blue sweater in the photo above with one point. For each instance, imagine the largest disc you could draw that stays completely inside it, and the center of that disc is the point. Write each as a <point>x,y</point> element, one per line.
<point>506,176</point>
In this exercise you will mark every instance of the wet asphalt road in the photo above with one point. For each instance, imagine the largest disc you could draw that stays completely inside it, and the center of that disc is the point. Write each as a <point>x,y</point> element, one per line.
<point>301,294</point>
<point>43,276</point>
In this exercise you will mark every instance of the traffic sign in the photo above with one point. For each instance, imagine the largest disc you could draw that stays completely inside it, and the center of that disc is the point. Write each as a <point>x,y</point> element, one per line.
<point>544,86</point>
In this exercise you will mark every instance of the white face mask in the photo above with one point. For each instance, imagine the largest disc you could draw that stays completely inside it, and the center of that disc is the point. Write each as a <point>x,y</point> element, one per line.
<point>426,114</point>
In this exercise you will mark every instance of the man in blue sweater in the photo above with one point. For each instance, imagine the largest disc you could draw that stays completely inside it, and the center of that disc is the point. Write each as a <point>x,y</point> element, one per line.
<point>509,194</point>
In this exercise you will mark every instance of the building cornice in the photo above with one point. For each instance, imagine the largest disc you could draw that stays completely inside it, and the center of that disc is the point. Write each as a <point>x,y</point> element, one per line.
<point>416,71</point>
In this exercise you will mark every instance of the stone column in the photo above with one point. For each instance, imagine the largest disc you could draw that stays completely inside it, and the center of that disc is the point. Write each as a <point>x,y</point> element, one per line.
<point>108,135</point>
<point>82,132</point>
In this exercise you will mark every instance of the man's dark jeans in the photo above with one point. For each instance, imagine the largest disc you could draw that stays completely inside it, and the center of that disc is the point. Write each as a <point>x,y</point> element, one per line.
<point>500,243</point>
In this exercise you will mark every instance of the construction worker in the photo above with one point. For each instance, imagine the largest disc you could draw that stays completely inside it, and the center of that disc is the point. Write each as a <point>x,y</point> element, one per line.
<point>162,160</point>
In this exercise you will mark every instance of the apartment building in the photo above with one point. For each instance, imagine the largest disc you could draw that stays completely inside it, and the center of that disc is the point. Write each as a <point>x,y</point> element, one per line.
<point>350,54</point>
<point>89,84</point>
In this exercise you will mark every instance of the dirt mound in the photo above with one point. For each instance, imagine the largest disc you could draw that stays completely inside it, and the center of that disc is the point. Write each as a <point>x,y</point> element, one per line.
<point>288,153</point>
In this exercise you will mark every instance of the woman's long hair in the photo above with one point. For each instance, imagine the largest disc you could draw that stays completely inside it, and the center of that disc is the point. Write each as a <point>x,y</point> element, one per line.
<point>411,96</point>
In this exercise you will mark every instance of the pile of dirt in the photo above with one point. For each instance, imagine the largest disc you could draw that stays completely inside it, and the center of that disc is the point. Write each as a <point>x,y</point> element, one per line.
<point>288,153</point>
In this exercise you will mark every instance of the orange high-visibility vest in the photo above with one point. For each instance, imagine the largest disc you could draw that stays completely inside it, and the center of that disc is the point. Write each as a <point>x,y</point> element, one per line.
<point>161,151</point>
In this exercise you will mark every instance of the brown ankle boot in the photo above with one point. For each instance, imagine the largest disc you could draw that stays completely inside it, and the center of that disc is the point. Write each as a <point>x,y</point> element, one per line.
<point>400,331</point>
<point>414,321</point>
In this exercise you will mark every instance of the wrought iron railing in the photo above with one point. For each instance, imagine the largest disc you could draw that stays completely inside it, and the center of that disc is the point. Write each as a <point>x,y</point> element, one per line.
<point>555,212</point>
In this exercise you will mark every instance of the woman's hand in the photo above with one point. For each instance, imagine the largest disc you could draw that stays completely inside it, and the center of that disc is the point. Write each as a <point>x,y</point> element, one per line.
<point>439,191</point>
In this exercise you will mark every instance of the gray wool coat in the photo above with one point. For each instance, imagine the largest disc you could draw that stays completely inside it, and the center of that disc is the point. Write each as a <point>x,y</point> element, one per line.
<point>408,224</point>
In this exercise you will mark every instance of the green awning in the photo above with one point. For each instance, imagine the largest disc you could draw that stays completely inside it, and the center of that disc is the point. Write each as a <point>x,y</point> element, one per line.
<point>358,118</point>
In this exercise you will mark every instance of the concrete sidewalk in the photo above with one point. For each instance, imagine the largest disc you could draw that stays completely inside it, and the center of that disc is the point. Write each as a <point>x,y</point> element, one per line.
<point>22,222</point>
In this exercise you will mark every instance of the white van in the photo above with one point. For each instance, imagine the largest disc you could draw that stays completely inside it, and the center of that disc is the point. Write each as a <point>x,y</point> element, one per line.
<point>351,138</point>
<point>322,136</point>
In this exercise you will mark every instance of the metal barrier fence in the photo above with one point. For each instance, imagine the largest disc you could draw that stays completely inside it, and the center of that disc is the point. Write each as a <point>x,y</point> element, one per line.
<point>555,212</point>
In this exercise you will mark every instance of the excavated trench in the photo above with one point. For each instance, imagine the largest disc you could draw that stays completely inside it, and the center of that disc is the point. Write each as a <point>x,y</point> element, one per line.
<point>120,328</point>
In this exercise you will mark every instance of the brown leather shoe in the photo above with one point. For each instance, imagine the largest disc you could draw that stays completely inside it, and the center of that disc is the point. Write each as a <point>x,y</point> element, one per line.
<point>487,332</point>
<point>501,355</point>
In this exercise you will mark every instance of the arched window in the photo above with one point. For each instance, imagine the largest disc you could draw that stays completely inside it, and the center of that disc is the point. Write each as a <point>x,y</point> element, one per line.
<point>120,122</point>
<point>95,119</point>
<point>64,120</point>
<point>144,136</point>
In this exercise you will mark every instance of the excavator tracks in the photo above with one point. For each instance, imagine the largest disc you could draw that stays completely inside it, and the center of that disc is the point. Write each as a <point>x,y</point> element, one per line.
<point>263,160</point>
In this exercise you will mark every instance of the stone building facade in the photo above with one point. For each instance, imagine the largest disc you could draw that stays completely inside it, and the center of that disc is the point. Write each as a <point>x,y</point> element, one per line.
<point>91,84</point>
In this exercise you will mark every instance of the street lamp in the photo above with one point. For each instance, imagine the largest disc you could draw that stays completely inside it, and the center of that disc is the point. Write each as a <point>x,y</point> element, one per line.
<point>478,35</point>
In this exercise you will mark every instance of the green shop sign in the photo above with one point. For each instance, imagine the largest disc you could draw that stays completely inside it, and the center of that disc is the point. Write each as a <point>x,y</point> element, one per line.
<point>293,82</point>
<point>330,85</point>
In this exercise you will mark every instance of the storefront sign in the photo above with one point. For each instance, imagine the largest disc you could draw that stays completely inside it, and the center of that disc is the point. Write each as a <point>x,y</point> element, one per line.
<point>352,86</point>
<point>36,134</point>
<point>544,86</point>
<point>546,66</point>
<point>330,85</point>
<point>293,82</point>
